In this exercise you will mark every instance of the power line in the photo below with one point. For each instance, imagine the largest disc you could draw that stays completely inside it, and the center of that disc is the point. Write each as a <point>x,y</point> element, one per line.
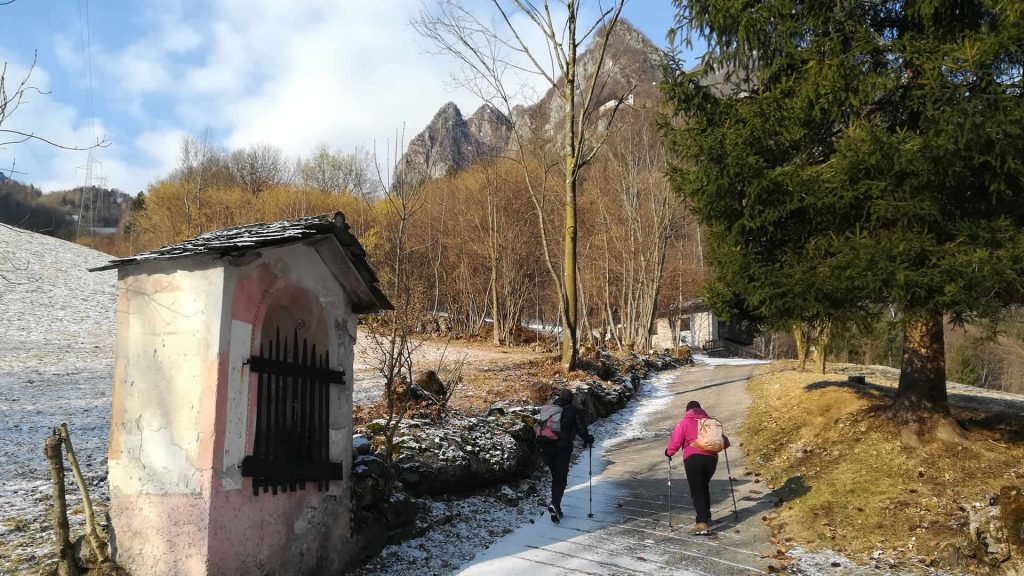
<point>88,201</point>
<point>85,33</point>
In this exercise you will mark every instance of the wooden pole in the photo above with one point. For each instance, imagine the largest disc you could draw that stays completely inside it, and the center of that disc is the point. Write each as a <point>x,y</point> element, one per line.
<point>90,520</point>
<point>65,555</point>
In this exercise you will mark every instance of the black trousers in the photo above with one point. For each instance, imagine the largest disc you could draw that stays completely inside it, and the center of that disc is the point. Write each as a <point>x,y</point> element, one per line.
<point>699,470</point>
<point>557,460</point>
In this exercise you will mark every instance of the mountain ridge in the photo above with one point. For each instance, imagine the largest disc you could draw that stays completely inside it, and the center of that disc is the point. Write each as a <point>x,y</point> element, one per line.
<point>450,142</point>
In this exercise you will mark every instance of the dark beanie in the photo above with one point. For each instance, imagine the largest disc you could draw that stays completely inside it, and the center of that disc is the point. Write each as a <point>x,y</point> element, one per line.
<point>564,397</point>
<point>692,404</point>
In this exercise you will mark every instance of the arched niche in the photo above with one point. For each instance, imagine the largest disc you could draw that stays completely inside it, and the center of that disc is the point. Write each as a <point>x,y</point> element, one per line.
<point>292,309</point>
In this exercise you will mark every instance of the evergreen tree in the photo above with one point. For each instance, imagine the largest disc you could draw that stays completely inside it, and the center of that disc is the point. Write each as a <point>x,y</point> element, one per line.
<point>847,155</point>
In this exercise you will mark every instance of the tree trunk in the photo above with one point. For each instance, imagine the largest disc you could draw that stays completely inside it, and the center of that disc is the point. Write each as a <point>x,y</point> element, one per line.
<point>922,386</point>
<point>98,545</point>
<point>821,347</point>
<point>570,345</point>
<point>495,317</point>
<point>799,334</point>
<point>65,556</point>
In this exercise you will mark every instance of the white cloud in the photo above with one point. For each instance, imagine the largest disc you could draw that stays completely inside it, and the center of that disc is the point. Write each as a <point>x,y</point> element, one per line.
<point>128,164</point>
<point>294,74</point>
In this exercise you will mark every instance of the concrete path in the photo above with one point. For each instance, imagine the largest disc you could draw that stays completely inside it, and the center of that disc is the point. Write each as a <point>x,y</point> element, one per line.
<point>630,533</point>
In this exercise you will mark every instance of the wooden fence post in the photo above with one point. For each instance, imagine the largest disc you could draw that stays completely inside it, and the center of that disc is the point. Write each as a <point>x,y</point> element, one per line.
<point>65,555</point>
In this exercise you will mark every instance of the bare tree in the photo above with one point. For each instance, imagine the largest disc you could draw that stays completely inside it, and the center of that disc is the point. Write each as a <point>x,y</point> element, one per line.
<point>12,97</point>
<point>358,175</point>
<point>492,53</point>
<point>335,172</point>
<point>197,164</point>
<point>639,230</point>
<point>403,199</point>
<point>391,352</point>
<point>323,171</point>
<point>390,337</point>
<point>12,269</point>
<point>260,167</point>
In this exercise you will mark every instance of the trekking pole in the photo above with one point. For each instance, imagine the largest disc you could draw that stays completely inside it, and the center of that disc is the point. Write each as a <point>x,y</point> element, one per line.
<point>670,493</point>
<point>735,511</point>
<point>590,504</point>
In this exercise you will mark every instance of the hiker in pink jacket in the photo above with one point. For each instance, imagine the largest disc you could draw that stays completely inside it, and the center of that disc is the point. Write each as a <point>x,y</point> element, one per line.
<point>699,464</point>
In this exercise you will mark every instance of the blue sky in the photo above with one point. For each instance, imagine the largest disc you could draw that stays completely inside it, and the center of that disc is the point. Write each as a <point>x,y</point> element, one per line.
<point>295,73</point>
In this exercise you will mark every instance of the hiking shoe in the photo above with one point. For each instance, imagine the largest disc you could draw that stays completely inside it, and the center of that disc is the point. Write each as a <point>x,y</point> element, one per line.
<point>560,513</point>
<point>555,516</point>
<point>700,529</point>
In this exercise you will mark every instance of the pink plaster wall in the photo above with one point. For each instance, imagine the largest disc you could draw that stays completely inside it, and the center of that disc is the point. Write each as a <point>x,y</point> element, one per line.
<point>163,534</point>
<point>303,532</point>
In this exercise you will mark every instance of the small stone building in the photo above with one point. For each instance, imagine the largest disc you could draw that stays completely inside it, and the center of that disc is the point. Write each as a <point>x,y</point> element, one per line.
<point>695,326</point>
<point>231,426</point>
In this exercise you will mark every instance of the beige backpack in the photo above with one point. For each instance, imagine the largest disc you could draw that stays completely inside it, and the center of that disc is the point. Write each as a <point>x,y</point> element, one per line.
<point>710,436</point>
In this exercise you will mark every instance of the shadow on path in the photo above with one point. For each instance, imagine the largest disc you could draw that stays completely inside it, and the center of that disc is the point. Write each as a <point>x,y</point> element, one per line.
<point>634,529</point>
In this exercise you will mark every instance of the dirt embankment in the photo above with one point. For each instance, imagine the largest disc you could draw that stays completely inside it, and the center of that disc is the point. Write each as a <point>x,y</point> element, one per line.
<point>849,479</point>
<point>485,365</point>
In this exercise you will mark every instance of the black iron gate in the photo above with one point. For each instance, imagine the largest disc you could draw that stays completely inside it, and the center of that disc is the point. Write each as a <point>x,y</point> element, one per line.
<point>293,418</point>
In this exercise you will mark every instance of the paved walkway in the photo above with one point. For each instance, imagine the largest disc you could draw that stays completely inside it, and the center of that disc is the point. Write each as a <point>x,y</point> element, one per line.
<point>630,532</point>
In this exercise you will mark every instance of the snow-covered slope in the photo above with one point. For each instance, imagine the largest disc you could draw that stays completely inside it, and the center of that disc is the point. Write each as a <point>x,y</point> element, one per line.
<point>57,329</point>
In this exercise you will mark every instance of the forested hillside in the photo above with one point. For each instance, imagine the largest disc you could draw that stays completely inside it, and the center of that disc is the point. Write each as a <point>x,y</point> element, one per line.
<point>56,213</point>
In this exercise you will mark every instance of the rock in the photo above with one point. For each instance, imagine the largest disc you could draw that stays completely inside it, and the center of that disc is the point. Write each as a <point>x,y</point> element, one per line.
<point>540,392</point>
<point>464,453</point>
<point>950,556</point>
<point>429,382</point>
<point>388,520</point>
<point>1011,513</point>
<point>84,555</point>
<point>420,396</point>
<point>988,540</point>
<point>365,466</point>
<point>360,446</point>
<point>369,481</point>
<point>401,388</point>
<point>508,496</point>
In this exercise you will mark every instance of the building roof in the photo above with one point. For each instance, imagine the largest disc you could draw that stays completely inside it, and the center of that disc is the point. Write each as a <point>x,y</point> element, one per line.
<point>693,306</point>
<point>237,241</point>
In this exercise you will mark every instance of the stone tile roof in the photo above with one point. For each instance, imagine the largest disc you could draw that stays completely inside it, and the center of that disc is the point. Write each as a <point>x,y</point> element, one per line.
<point>243,239</point>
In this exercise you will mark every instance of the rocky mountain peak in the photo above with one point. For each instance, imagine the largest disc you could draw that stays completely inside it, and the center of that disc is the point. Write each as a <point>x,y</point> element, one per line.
<point>450,143</point>
<point>437,150</point>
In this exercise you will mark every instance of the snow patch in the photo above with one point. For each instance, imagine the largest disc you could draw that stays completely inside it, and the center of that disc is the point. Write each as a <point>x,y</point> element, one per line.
<point>463,529</point>
<point>57,333</point>
<point>704,360</point>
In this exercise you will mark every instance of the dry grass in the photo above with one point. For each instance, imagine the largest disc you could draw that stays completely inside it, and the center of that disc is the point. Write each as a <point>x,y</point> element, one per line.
<point>849,482</point>
<point>490,380</point>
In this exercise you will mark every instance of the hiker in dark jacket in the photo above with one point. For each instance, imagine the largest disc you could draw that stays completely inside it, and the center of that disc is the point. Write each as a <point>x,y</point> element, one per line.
<point>699,464</point>
<point>556,454</point>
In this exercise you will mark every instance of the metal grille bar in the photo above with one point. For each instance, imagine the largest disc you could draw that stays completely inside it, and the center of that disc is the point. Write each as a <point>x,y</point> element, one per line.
<point>291,443</point>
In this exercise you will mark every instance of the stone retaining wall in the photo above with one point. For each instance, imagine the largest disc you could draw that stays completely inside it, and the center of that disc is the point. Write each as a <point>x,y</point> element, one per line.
<point>464,453</point>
